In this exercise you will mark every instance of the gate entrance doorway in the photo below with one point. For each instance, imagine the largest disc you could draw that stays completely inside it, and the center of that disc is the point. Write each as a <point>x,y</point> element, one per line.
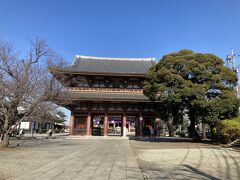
<point>97,125</point>
<point>114,125</point>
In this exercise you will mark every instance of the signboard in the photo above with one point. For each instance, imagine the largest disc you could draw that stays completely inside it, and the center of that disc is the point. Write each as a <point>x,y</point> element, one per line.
<point>24,125</point>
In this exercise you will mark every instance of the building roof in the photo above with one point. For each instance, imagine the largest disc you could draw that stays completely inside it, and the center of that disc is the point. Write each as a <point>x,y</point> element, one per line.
<point>104,65</point>
<point>103,96</point>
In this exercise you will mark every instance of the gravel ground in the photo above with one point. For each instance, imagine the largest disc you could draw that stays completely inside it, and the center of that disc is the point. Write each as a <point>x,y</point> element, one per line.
<point>176,160</point>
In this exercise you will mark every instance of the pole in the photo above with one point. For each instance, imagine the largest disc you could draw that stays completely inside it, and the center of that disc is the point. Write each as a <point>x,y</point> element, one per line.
<point>233,66</point>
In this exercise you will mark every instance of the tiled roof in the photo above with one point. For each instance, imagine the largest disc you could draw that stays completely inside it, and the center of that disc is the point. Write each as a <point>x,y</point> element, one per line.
<point>104,96</point>
<point>102,65</point>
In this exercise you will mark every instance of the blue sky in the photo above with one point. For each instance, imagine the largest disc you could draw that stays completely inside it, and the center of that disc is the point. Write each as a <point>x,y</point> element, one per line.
<point>124,28</point>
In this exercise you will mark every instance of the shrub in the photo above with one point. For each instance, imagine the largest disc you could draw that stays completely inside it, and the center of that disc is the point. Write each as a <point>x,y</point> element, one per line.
<point>42,131</point>
<point>181,133</point>
<point>228,130</point>
<point>57,130</point>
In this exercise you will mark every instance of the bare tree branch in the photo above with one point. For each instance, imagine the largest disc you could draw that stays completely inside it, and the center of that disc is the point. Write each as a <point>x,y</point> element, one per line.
<point>26,84</point>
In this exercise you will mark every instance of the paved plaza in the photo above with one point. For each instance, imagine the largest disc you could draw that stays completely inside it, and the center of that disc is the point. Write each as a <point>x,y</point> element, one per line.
<point>85,158</point>
<point>117,158</point>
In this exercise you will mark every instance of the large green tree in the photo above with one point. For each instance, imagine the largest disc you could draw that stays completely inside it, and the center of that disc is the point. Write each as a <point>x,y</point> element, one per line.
<point>196,82</point>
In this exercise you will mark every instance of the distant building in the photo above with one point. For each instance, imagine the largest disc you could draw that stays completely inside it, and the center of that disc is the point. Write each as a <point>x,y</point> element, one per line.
<point>105,95</point>
<point>51,120</point>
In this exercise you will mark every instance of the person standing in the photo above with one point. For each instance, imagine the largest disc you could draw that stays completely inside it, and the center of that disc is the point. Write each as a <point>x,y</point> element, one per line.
<point>151,131</point>
<point>21,132</point>
<point>50,132</point>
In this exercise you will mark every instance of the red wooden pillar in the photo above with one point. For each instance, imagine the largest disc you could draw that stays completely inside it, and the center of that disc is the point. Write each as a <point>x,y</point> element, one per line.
<point>140,125</point>
<point>71,124</point>
<point>124,122</point>
<point>89,118</point>
<point>105,125</point>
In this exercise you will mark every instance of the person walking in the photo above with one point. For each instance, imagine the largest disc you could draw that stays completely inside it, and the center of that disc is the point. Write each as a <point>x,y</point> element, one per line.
<point>21,132</point>
<point>151,131</point>
<point>50,132</point>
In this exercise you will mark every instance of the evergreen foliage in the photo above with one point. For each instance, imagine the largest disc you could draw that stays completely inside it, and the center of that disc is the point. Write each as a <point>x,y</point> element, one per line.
<point>196,82</point>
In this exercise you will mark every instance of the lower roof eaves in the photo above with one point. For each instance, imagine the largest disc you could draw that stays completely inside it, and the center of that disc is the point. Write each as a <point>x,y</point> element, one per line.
<point>100,96</point>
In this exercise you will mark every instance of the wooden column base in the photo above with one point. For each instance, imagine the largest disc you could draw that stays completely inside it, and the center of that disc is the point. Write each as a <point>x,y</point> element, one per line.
<point>71,124</point>
<point>105,125</point>
<point>89,131</point>
<point>124,122</point>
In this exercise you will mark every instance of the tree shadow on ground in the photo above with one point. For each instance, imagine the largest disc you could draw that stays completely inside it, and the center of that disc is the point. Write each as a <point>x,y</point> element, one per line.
<point>227,167</point>
<point>169,139</point>
<point>188,172</point>
<point>196,171</point>
<point>160,139</point>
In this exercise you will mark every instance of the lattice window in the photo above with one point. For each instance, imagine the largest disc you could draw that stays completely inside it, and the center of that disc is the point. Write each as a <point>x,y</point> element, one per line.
<point>132,107</point>
<point>81,107</point>
<point>81,81</point>
<point>115,107</point>
<point>98,107</point>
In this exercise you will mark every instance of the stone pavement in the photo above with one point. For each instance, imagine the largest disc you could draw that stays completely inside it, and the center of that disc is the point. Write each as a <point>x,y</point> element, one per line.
<point>96,158</point>
<point>117,158</point>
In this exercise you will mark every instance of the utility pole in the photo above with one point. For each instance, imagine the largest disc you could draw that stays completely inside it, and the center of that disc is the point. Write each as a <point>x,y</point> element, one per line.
<point>230,62</point>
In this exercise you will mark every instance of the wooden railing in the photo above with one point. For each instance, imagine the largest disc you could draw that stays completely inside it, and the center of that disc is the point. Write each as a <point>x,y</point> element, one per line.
<point>119,90</point>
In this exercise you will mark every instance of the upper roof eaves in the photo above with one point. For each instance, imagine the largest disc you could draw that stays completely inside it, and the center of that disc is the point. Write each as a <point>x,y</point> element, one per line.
<point>113,58</point>
<point>109,65</point>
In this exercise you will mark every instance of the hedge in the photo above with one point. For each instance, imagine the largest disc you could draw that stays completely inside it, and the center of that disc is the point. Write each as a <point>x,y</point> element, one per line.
<point>229,130</point>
